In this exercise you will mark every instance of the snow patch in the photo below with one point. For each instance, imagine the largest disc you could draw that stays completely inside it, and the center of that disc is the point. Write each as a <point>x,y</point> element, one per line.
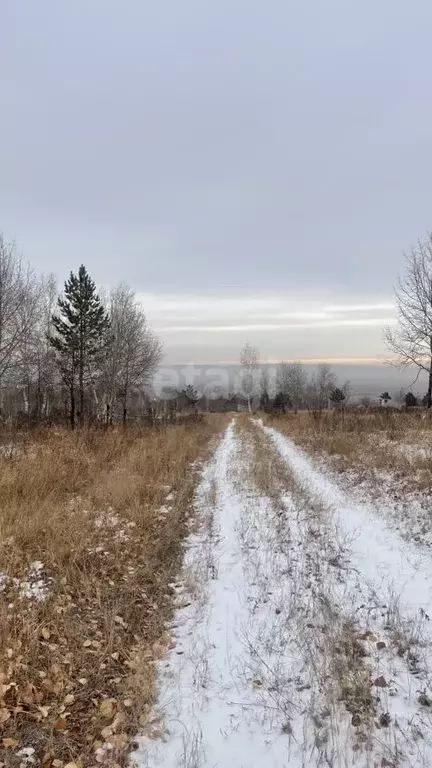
<point>388,588</point>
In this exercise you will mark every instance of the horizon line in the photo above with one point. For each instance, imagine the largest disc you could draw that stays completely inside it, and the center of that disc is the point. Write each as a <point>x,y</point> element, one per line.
<point>302,360</point>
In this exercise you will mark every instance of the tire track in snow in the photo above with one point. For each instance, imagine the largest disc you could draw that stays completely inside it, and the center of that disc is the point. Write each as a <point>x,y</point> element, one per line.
<point>213,709</point>
<point>389,589</point>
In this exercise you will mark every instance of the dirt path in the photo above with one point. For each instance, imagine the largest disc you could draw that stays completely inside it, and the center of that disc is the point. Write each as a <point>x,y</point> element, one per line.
<point>302,634</point>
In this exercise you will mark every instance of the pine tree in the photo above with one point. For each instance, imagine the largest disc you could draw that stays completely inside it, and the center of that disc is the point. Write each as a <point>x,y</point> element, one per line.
<point>410,400</point>
<point>81,330</point>
<point>281,402</point>
<point>191,395</point>
<point>265,402</point>
<point>337,397</point>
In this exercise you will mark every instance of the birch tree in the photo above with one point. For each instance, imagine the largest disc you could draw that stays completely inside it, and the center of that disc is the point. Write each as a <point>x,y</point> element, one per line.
<point>18,308</point>
<point>320,386</point>
<point>249,365</point>
<point>291,381</point>
<point>410,340</point>
<point>46,373</point>
<point>134,352</point>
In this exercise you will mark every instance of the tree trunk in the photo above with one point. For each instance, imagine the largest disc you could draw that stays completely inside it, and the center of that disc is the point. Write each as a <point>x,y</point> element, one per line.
<point>81,393</point>
<point>72,408</point>
<point>429,392</point>
<point>39,400</point>
<point>124,413</point>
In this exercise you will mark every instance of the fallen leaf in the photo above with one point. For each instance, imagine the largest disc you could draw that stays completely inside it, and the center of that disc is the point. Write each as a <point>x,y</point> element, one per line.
<point>119,741</point>
<point>61,724</point>
<point>45,633</point>
<point>87,643</point>
<point>106,708</point>
<point>69,699</point>
<point>100,755</point>
<point>29,694</point>
<point>4,715</point>
<point>119,719</point>
<point>155,734</point>
<point>83,680</point>
<point>10,742</point>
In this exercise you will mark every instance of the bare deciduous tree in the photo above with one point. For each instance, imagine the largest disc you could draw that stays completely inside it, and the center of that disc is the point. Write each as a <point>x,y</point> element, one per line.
<point>249,364</point>
<point>134,352</point>
<point>320,386</point>
<point>38,370</point>
<point>47,374</point>
<point>291,381</point>
<point>18,308</point>
<point>411,340</point>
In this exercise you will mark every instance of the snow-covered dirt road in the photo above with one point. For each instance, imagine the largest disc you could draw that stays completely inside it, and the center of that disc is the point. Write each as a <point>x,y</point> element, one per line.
<point>302,633</point>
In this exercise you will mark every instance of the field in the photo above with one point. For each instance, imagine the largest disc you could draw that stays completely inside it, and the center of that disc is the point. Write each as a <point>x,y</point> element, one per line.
<point>382,455</point>
<point>92,524</point>
<point>236,592</point>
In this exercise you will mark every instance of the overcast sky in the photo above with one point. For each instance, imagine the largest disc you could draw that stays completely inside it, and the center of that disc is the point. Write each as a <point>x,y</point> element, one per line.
<point>252,169</point>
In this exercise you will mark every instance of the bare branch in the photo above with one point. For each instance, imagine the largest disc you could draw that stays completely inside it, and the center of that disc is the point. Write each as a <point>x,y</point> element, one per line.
<point>411,340</point>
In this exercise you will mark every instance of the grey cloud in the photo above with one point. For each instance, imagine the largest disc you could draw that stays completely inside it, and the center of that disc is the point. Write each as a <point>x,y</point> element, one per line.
<point>230,147</point>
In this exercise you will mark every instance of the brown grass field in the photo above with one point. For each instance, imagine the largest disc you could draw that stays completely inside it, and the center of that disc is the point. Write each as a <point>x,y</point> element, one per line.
<point>92,532</point>
<point>92,525</point>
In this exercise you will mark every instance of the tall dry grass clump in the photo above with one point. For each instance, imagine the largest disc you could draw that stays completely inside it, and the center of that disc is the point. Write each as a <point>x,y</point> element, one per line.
<point>92,525</point>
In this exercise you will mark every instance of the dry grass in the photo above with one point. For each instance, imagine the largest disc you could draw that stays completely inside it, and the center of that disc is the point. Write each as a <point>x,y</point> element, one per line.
<point>269,474</point>
<point>92,526</point>
<point>383,440</point>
